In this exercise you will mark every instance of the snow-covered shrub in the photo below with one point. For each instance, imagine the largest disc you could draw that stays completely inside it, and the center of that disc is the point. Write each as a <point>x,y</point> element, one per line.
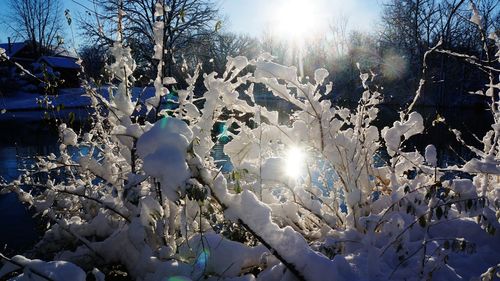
<point>305,200</point>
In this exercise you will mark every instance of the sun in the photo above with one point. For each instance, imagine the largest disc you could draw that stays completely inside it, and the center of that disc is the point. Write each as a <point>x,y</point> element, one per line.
<point>295,162</point>
<point>295,19</point>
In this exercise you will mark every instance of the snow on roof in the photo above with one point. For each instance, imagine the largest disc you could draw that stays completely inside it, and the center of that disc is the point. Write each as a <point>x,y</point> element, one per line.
<point>14,48</point>
<point>60,51</point>
<point>60,62</point>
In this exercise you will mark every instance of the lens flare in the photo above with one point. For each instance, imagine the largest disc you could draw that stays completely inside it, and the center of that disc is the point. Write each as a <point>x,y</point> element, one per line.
<point>223,132</point>
<point>201,261</point>
<point>178,278</point>
<point>164,121</point>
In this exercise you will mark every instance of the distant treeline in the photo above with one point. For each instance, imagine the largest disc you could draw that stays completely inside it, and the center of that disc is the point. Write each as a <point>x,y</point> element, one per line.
<point>394,50</point>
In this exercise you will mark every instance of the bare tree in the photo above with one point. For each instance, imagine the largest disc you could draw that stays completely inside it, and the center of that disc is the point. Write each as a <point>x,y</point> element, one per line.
<point>338,28</point>
<point>37,21</point>
<point>94,58</point>
<point>416,25</point>
<point>230,44</point>
<point>411,26</point>
<point>187,22</point>
<point>273,45</point>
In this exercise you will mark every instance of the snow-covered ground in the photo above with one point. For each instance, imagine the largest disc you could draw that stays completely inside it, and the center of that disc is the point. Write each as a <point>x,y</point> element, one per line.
<point>21,101</point>
<point>30,107</point>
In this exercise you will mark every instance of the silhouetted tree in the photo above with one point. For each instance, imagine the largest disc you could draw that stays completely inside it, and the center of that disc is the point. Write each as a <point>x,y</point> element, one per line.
<point>36,21</point>
<point>187,23</point>
<point>94,58</point>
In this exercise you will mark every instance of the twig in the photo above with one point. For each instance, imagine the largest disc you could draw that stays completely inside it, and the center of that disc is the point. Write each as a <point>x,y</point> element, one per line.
<point>422,79</point>
<point>95,200</point>
<point>289,266</point>
<point>470,59</point>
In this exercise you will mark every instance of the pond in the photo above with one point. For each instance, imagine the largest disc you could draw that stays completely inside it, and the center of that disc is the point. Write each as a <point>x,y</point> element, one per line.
<point>21,140</point>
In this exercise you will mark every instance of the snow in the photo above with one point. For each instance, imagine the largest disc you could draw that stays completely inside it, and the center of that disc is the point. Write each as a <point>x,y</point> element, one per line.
<point>158,28</point>
<point>431,155</point>
<point>171,213</point>
<point>158,48</point>
<point>392,136</point>
<point>67,135</point>
<point>475,18</point>
<point>163,150</point>
<point>238,63</point>
<point>265,69</point>
<point>224,257</point>
<point>285,241</point>
<point>488,166</point>
<point>319,75</point>
<point>464,188</point>
<point>169,80</point>
<point>273,169</point>
<point>70,98</point>
<point>158,10</point>
<point>98,275</point>
<point>122,68</point>
<point>60,62</point>
<point>55,270</point>
<point>150,211</point>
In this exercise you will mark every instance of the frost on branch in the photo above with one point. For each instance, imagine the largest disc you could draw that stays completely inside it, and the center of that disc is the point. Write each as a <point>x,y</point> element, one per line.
<point>393,136</point>
<point>68,136</point>
<point>149,197</point>
<point>122,69</point>
<point>475,18</point>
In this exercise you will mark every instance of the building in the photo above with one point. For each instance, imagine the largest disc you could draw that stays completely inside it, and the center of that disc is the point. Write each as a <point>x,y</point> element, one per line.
<point>64,68</point>
<point>19,52</point>
<point>57,65</point>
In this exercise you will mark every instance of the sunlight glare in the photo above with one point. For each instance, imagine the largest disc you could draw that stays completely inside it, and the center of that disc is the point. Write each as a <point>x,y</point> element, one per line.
<point>295,19</point>
<point>295,162</point>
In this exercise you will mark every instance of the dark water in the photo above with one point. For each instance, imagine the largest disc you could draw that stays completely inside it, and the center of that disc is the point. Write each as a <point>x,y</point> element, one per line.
<point>20,141</point>
<point>473,123</point>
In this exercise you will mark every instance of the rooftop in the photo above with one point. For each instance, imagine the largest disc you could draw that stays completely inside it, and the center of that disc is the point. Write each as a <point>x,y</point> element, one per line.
<point>60,62</point>
<point>14,48</point>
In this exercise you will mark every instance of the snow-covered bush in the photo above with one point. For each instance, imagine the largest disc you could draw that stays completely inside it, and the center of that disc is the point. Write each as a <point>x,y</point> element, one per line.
<point>305,201</point>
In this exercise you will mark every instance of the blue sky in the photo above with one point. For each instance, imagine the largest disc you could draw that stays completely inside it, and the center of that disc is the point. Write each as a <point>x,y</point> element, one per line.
<point>253,17</point>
